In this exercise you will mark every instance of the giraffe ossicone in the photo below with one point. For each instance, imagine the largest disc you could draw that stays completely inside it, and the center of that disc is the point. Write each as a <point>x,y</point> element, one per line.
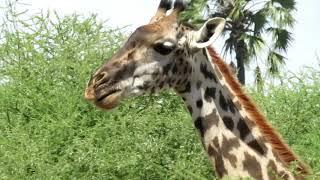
<point>168,54</point>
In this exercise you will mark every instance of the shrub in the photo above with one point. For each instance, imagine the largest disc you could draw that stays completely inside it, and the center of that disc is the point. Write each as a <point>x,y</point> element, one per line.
<point>47,130</point>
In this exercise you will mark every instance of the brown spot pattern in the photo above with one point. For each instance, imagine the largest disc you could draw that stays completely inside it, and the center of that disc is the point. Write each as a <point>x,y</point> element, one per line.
<point>215,142</point>
<point>228,122</point>
<point>211,120</point>
<point>190,109</point>
<point>282,150</point>
<point>210,94</point>
<point>218,160</point>
<point>243,128</point>
<point>226,147</point>
<point>251,165</point>
<point>211,151</point>
<point>220,169</point>
<point>259,147</point>
<point>223,102</point>
<point>203,124</point>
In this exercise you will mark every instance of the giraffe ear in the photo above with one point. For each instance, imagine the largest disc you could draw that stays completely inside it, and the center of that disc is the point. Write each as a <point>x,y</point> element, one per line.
<point>208,33</point>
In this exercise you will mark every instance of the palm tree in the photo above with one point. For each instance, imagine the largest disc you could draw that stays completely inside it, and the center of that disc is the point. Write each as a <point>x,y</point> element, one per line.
<point>250,24</point>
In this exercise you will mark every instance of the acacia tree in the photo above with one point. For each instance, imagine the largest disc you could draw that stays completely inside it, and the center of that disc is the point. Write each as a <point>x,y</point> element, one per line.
<point>250,24</point>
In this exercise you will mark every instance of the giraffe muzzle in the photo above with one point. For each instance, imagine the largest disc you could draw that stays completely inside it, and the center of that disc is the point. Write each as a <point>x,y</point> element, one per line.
<point>107,98</point>
<point>104,92</point>
<point>105,95</point>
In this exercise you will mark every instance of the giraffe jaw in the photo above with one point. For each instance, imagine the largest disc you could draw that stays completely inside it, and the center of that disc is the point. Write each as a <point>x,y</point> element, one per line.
<point>106,99</point>
<point>110,101</point>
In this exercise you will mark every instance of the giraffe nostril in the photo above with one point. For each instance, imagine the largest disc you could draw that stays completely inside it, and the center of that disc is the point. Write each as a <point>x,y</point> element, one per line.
<point>100,78</point>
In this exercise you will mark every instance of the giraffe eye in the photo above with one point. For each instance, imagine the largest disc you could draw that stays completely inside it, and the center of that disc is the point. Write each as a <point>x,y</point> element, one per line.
<point>164,48</point>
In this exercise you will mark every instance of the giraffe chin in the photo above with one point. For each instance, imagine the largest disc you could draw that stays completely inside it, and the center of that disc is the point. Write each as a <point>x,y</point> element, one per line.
<point>109,102</point>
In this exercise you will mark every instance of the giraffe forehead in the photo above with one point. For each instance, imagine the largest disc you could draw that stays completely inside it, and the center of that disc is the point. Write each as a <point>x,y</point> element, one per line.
<point>149,34</point>
<point>152,32</point>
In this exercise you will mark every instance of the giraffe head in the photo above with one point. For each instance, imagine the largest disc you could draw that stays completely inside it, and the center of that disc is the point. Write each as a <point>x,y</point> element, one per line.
<point>154,57</point>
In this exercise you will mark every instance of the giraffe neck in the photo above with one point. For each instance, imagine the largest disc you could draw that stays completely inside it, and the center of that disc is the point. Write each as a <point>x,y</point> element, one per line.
<point>233,143</point>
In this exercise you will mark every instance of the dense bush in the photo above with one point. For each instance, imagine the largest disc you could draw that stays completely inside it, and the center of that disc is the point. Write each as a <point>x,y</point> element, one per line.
<point>294,109</point>
<point>47,130</point>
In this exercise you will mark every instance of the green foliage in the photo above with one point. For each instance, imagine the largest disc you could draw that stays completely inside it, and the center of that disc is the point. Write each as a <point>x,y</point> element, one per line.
<point>282,38</point>
<point>287,4</point>
<point>194,12</point>
<point>259,19</point>
<point>47,130</point>
<point>293,109</point>
<point>275,60</point>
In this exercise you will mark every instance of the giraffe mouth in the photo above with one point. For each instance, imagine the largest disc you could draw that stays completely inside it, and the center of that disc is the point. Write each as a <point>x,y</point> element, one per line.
<point>107,98</point>
<point>102,97</point>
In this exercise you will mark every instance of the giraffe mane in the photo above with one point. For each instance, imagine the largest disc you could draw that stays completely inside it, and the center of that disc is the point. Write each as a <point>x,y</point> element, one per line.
<point>283,151</point>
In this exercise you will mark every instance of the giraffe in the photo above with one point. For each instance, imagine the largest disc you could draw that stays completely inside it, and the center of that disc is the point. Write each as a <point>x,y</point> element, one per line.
<point>165,53</point>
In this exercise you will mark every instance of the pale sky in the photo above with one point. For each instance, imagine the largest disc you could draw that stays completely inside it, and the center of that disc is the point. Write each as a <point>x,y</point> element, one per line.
<point>120,13</point>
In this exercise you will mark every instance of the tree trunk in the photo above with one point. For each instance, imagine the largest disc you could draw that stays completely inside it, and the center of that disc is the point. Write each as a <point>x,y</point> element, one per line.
<point>241,56</point>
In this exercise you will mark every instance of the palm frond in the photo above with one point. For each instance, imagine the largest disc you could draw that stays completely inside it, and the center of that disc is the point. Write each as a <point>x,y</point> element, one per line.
<point>221,6</point>
<point>275,61</point>
<point>279,15</point>
<point>259,20</point>
<point>258,79</point>
<point>281,38</point>
<point>194,13</point>
<point>229,45</point>
<point>254,44</point>
<point>287,4</point>
<point>250,21</point>
<point>237,11</point>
